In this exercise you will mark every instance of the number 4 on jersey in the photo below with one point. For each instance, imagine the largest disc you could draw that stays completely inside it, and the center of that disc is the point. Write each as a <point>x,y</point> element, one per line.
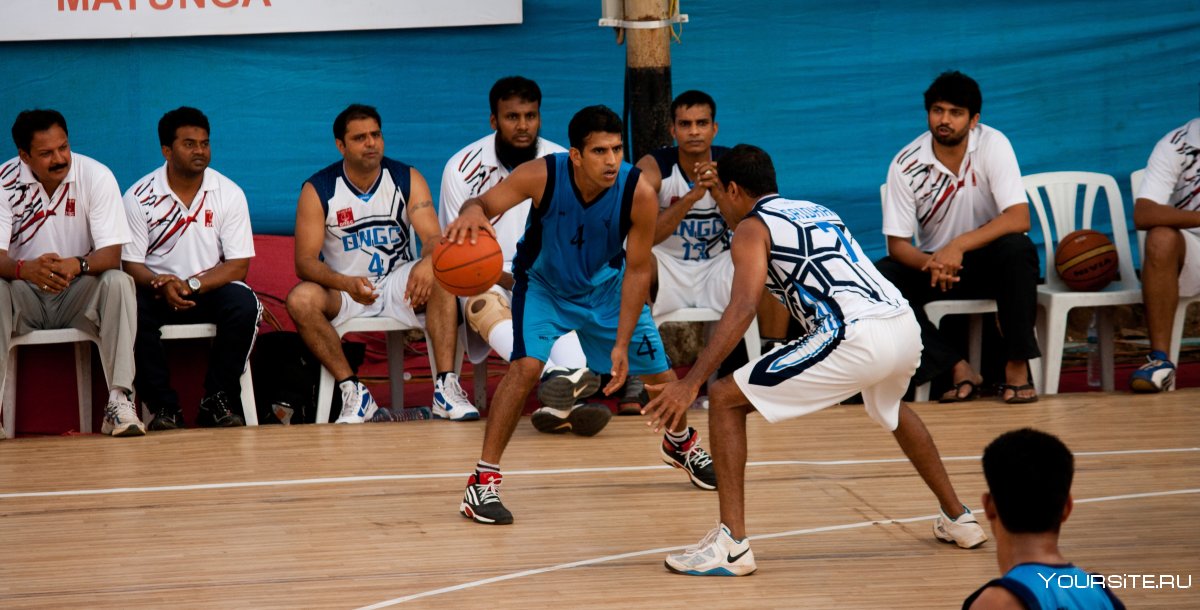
<point>646,348</point>
<point>577,241</point>
<point>376,265</point>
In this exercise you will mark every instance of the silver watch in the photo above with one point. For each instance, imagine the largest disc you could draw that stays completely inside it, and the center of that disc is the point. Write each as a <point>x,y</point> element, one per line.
<point>194,284</point>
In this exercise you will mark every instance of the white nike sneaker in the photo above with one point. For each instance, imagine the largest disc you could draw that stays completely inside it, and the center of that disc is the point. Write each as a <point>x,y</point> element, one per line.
<point>358,405</point>
<point>717,554</point>
<point>451,402</point>
<point>963,531</point>
<point>562,388</point>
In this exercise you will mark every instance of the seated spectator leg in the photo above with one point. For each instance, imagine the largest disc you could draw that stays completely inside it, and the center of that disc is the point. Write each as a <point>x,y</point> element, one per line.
<point>7,366</point>
<point>236,312</point>
<point>152,379</point>
<point>1007,269</point>
<point>111,299</point>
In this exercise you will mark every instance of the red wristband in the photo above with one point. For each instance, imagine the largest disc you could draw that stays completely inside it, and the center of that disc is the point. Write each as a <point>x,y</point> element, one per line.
<point>19,263</point>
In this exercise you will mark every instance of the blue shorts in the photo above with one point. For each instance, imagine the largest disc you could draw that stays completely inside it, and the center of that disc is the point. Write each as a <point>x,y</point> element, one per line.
<point>540,318</point>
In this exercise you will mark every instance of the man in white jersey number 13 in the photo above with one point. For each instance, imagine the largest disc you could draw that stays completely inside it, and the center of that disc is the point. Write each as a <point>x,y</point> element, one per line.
<point>860,336</point>
<point>355,258</point>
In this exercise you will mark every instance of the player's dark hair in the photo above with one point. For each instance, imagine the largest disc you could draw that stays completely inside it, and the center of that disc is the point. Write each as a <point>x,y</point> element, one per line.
<point>30,122</point>
<point>514,86</point>
<point>751,168</point>
<point>354,112</point>
<point>692,97</point>
<point>956,88</point>
<point>591,120</point>
<point>1029,475</point>
<point>183,116</point>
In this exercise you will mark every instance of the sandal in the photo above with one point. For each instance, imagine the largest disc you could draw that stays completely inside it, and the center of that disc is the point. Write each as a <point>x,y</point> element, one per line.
<point>952,395</point>
<point>1016,398</point>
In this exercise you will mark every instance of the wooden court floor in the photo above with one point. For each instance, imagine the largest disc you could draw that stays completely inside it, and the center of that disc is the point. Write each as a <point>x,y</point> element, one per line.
<point>366,516</point>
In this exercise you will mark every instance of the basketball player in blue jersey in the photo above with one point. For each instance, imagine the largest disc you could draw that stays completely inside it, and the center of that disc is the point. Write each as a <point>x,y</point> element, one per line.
<point>1029,477</point>
<point>861,336</point>
<point>355,259</point>
<point>583,265</point>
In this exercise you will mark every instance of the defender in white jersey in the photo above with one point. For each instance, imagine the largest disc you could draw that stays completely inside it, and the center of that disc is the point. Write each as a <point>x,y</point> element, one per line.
<point>355,257</point>
<point>1167,207</point>
<point>957,191</point>
<point>693,267</point>
<point>860,337</point>
<point>189,254</point>
<point>516,117</point>
<point>61,231</point>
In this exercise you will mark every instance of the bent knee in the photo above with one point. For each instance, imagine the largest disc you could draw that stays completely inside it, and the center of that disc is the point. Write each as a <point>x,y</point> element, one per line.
<point>306,298</point>
<point>725,394</point>
<point>1163,244</point>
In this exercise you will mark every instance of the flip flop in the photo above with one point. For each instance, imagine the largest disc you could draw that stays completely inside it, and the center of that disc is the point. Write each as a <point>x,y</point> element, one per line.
<point>953,395</point>
<point>1016,398</point>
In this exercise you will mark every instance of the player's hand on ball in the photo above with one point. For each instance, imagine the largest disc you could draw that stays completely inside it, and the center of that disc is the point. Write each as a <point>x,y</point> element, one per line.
<point>471,220</point>
<point>667,408</point>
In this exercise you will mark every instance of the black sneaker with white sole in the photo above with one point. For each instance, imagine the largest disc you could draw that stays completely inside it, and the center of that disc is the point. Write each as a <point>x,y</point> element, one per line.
<point>582,419</point>
<point>481,500</point>
<point>562,388</point>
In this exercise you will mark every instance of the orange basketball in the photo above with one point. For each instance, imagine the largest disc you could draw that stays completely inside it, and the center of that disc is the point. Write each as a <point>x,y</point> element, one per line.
<point>468,269</point>
<point>1086,260</point>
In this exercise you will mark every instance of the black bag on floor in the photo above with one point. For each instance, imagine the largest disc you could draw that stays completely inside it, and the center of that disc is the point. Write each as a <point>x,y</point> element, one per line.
<point>286,375</point>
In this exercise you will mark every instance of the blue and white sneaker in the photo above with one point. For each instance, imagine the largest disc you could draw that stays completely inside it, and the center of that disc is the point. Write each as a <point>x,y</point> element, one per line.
<point>718,554</point>
<point>451,402</point>
<point>1156,375</point>
<point>358,405</point>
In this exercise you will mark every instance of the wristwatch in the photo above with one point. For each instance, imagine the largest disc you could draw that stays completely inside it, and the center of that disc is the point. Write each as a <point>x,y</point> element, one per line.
<point>83,266</point>
<point>194,284</point>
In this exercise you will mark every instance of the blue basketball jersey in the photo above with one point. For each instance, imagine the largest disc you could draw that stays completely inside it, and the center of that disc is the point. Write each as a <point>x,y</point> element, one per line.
<point>1041,586</point>
<point>571,245</point>
<point>366,233</point>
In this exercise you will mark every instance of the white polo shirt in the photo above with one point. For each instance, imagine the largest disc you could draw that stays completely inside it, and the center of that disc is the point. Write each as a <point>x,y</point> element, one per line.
<point>928,201</point>
<point>82,215</point>
<point>184,240</point>
<point>471,172</point>
<point>1173,171</point>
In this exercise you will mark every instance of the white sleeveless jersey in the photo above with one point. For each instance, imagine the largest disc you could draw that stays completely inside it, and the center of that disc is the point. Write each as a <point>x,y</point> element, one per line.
<point>818,271</point>
<point>702,234</point>
<point>366,234</point>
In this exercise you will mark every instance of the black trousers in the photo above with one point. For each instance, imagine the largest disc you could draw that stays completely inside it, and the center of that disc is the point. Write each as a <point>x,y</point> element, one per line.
<point>236,312</point>
<point>1006,271</point>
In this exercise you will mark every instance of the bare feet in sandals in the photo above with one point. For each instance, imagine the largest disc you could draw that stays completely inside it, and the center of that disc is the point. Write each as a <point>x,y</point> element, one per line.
<point>1018,389</point>
<point>966,384</point>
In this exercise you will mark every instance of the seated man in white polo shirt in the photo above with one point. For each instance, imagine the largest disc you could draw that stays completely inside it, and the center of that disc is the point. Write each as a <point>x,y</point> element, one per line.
<point>1167,207</point>
<point>61,231</point>
<point>189,255</point>
<point>957,190</point>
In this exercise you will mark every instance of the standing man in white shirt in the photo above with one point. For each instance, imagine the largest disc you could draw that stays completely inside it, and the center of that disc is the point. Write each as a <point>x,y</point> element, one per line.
<point>61,231</point>
<point>957,190</point>
<point>189,256</point>
<point>1167,207</point>
<point>516,119</point>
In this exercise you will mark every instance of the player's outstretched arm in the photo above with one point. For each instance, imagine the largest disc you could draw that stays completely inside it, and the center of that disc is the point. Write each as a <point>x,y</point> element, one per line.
<point>635,287</point>
<point>528,181</point>
<point>750,248</point>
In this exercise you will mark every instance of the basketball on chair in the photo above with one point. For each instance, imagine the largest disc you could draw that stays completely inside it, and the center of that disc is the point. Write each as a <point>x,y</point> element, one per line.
<point>1086,260</point>
<point>468,269</point>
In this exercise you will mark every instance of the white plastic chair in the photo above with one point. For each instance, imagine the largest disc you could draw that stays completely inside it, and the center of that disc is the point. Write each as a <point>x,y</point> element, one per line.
<point>704,314</point>
<point>936,310</point>
<point>1055,299</point>
<point>1135,181</point>
<point>204,331</point>
<point>396,340</point>
<point>83,372</point>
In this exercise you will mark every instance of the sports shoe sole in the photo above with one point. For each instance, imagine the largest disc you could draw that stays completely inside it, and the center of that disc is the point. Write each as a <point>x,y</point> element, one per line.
<point>550,421</point>
<point>442,413</point>
<point>943,536</point>
<point>127,430</point>
<point>560,392</point>
<point>465,510</point>
<point>695,481</point>
<point>721,571</point>
<point>1145,386</point>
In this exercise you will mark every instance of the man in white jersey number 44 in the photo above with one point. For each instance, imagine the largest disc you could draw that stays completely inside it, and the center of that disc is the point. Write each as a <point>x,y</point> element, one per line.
<point>355,258</point>
<point>860,336</point>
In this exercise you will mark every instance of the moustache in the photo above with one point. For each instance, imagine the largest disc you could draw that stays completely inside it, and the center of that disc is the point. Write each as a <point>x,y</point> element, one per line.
<point>59,167</point>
